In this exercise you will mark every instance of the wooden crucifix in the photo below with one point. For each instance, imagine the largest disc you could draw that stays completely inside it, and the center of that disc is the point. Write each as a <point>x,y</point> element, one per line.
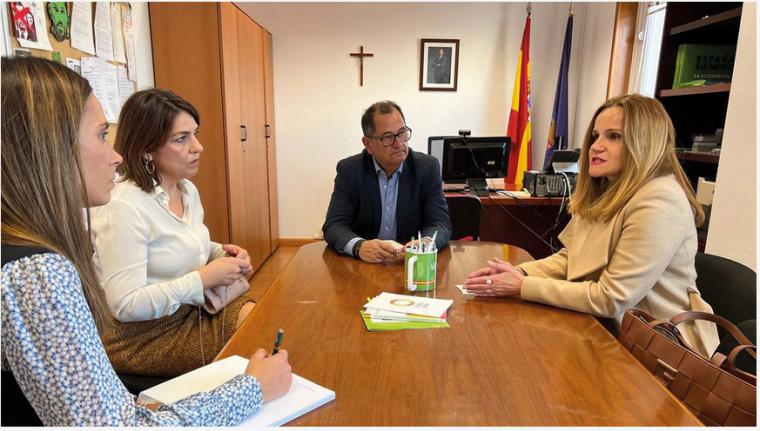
<point>361,54</point>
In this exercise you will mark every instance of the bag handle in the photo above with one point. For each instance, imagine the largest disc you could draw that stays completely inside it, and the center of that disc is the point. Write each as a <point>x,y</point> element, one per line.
<point>730,364</point>
<point>718,320</point>
<point>651,322</point>
<point>661,326</point>
<point>730,361</point>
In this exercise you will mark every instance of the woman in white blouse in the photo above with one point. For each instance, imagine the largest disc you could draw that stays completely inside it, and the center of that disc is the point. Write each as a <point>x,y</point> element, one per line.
<point>54,127</point>
<point>153,252</point>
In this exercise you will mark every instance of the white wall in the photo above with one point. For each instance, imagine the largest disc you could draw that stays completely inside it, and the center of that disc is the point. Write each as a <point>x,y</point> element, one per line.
<point>318,100</point>
<point>733,223</point>
<point>595,45</point>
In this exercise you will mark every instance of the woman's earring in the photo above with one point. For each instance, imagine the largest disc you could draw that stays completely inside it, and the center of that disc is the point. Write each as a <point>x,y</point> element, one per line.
<point>149,166</point>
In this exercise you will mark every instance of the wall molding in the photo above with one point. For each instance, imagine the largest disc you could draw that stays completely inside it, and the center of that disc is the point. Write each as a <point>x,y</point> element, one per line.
<point>297,241</point>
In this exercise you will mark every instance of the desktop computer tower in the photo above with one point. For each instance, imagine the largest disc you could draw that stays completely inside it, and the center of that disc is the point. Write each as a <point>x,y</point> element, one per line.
<point>541,184</point>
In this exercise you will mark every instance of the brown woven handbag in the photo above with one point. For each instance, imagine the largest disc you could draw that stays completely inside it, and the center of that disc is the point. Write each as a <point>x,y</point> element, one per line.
<point>714,390</point>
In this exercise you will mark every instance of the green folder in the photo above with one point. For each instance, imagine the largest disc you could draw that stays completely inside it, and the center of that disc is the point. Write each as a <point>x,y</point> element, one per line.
<point>698,64</point>
<point>395,326</point>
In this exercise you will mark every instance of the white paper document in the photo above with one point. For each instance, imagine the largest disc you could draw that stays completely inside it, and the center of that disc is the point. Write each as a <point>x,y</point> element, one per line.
<point>111,79</point>
<point>464,290</point>
<point>118,39</point>
<point>302,397</point>
<point>126,87</point>
<point>74,64</point>
<point>81,27</point>
<point>94,70</point>
<point>129,42</point>
<point>103,37</point>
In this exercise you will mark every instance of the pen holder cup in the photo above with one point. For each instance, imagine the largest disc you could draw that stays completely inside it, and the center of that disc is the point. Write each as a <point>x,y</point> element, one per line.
<point>420,270</point>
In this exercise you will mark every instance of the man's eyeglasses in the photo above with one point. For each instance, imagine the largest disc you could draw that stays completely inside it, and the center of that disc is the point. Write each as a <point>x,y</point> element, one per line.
<point>388,139</point>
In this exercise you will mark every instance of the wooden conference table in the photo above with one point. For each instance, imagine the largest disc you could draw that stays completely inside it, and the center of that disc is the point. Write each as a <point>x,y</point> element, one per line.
<point>502,361</point>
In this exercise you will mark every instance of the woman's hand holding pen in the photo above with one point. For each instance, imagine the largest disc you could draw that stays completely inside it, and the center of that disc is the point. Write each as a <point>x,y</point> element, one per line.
<point>499,278</point>
<point>274,373</point>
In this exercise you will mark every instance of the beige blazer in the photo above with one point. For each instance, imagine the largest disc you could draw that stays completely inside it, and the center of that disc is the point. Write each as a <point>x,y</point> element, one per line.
<point>643,258</point>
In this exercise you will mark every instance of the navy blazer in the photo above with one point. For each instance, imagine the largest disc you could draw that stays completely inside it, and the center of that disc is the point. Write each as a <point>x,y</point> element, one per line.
<point>355,208</point>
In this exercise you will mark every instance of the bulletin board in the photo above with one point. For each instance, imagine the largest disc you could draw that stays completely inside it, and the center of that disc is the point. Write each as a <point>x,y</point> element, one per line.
<point>63,47</point>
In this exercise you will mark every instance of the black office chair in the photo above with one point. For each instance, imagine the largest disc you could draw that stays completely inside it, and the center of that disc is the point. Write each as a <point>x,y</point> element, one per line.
<point>730,288</point>
<point>15,409</point>
<point>464,212</point>
<point>136,384</point>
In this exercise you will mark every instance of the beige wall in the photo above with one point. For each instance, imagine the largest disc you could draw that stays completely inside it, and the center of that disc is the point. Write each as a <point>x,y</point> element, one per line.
<point>318,100</point>
<point>733,224</point>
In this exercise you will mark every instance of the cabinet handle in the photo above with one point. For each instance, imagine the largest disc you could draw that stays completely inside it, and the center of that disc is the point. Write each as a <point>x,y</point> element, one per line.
<point>245,133</point>
<point>269,131</point>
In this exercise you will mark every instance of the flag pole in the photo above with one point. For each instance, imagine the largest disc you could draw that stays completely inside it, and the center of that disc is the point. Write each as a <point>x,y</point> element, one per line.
<point>529,8</point>
<point>571,11</point>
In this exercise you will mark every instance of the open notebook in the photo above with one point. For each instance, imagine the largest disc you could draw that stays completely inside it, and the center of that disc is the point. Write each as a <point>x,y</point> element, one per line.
<point>303,396</point>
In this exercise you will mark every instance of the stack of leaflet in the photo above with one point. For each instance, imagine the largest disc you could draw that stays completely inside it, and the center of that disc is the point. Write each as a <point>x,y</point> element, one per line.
<point>390,311</point>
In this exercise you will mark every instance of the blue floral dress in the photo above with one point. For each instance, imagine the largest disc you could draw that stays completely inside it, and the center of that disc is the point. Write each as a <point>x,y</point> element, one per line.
<point>51,344</point>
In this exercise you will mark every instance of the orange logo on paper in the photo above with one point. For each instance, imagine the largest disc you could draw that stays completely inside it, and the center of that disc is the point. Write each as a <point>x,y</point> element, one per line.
<point>402,302</point>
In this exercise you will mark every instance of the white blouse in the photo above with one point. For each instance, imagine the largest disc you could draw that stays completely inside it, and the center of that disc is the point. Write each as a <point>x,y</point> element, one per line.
<point>147,258</point>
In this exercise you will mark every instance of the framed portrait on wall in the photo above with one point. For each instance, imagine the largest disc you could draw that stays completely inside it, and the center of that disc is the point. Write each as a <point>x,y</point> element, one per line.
<point>439,64</point>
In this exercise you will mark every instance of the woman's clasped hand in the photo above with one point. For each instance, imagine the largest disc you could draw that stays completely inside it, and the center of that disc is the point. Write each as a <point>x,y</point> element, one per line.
<point>498,278</point>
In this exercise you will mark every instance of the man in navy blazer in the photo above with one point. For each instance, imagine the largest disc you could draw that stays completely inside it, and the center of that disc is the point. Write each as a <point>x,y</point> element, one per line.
<point>387,193</point>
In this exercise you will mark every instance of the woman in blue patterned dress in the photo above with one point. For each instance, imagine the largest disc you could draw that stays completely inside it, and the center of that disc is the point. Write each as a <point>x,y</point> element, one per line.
<point>55,161</point>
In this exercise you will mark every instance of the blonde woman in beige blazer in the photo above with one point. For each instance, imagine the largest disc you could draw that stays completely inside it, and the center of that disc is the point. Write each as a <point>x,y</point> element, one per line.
<point>632,239</point>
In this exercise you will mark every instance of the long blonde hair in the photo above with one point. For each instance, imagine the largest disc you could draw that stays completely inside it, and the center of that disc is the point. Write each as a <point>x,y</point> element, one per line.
<point>44,191</point>
<point>648,152</point>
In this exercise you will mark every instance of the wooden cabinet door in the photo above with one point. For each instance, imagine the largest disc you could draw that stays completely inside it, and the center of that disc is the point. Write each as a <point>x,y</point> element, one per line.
<point>238,211</point>
<point>196,76</point>
<point>253,117</point>
<point>274,226</point>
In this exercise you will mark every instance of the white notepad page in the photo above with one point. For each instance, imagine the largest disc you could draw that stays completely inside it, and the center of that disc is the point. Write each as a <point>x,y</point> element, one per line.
<point>302,397</point>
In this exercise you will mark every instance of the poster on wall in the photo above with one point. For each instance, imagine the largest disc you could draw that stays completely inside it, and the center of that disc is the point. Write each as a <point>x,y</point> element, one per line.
<point>59,20</point>
<point>439,64</point>
<point>28,22</point>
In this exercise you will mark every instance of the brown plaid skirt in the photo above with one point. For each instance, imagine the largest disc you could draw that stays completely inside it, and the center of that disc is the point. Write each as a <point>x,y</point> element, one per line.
<point>171,345</point>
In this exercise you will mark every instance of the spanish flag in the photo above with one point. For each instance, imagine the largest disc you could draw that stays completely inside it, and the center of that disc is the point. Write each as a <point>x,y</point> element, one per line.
<point>519,116</point>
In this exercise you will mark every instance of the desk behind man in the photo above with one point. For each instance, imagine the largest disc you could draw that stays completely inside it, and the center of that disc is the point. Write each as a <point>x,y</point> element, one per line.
<point>387,193</point>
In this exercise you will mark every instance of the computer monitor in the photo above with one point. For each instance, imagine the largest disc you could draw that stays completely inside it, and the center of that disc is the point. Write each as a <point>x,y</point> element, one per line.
<point>490,153</point>
<point>435,148</point>
<point>564,161</point>
<point>481,157</point>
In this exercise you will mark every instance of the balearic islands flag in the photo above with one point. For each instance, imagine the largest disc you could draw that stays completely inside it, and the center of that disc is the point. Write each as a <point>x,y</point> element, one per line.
<point>518,128</point>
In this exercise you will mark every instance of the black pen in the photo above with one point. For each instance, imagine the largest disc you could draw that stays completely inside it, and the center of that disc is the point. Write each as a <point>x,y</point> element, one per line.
<point>278,340</point>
